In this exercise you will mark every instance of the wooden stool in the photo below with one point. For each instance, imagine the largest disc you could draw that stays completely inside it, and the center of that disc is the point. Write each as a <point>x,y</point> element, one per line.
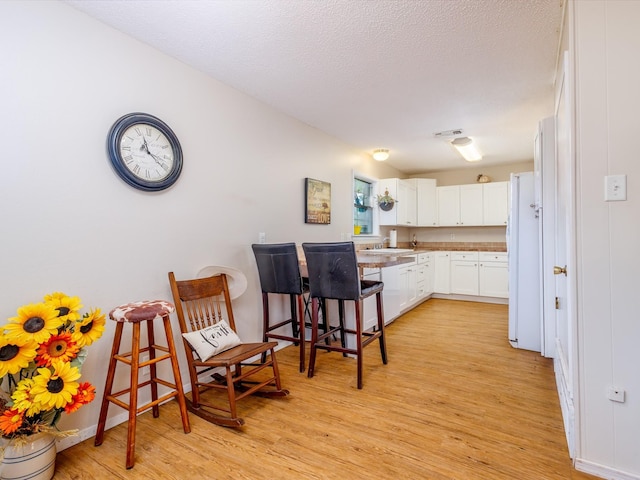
<point>135,313</point>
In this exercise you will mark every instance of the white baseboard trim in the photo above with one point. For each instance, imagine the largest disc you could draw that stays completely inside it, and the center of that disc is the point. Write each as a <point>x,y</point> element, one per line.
<point>471,298</point>
<point>602,471</point>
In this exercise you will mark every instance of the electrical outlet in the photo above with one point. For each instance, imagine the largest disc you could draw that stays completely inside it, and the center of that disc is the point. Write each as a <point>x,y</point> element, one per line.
<point>615,188</point>
<point>145,371</point>
<point>262,237</point>
<point>453,236</point>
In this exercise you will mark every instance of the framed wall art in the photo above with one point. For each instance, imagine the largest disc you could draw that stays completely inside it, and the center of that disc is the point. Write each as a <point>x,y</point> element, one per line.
<point>317,206</point>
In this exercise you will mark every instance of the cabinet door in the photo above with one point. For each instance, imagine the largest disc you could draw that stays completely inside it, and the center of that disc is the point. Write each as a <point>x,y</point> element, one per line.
<point>391,292</point>
<point>412,283</point>
<point>403,277</point>
<point>471,204</point>
<point>448,205</point>
<point>494,279</point>
<point>426,202</point>
<point>429,274</point>
<point>442,273</point>
<point>407,213</point>
<point>495,198</point>
<point>464,277</point>
<point>369,306</point>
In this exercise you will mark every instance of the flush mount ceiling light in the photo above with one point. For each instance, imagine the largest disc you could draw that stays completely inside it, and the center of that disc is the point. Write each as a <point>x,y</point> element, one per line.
<point>467,149</point>
<point>381,154</point>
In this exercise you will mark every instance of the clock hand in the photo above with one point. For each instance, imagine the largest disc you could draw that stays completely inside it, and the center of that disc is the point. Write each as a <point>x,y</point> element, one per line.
<point>157,159</point>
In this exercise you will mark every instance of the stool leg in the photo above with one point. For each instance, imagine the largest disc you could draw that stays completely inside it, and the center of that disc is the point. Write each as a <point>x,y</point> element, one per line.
<point>176,375</point>
<point>133,395</point>
<point>108,384</point>
<point>358,307</point>
<point>383,344</point>
<point>301,323</point>
<point>266,328</point>
<point>314,336</point>
<point>153,372</point>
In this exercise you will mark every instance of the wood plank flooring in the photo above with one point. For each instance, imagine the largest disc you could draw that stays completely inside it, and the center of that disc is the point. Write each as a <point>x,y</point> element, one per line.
<point>454,402</point>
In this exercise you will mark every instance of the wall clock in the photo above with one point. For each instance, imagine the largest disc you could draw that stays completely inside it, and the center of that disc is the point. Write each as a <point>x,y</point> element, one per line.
<point>144,152</point>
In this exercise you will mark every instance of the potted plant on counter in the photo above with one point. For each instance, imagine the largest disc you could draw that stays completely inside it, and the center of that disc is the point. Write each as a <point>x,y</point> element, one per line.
<point>42,350</point>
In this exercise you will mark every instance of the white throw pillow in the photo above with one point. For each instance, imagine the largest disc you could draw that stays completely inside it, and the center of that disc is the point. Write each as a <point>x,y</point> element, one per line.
<point>212,340</point>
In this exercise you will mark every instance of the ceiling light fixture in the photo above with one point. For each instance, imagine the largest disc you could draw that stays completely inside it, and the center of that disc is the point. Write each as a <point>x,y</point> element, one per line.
<point>467,149</point>
<point>381,154</point>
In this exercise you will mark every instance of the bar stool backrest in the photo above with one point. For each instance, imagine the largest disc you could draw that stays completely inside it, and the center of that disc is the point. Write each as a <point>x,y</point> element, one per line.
<point>278,268</point>
<point>333,270</point>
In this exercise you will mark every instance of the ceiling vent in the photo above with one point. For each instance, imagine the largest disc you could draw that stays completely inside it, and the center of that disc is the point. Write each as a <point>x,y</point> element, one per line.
<point>448,133</point>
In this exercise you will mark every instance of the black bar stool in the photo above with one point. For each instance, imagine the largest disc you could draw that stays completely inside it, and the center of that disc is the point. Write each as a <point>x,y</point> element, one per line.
<point>333,274</point>
<point>279,271</point>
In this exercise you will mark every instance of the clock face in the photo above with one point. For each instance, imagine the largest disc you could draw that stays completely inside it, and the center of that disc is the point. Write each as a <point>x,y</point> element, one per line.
<point>145,152</point>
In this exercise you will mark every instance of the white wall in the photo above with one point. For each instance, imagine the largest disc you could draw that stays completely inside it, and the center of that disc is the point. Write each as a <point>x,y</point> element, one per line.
<point>607,43</point>
<point>69,223</point>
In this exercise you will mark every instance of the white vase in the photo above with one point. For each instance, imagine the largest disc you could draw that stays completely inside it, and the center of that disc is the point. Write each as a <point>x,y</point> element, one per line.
<point>33,460</point>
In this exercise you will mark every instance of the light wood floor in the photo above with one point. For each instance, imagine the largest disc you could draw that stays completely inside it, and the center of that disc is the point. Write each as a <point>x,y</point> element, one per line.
<point>454,402</point>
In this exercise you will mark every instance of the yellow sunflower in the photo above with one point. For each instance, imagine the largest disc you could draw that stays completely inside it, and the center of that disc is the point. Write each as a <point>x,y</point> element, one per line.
<point>68,308</point>
<point>23,398</point>
<point>90,328</point>
<point>15,354</point>
<point>36,321</point>
<point>55,389</point>
<point>57,347</point>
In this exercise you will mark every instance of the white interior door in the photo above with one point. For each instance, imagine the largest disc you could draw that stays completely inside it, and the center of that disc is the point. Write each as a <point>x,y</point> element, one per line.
<point>564,253</point>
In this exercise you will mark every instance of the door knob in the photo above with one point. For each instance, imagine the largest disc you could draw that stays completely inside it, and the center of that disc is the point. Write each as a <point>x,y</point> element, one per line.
<point>558,270</point>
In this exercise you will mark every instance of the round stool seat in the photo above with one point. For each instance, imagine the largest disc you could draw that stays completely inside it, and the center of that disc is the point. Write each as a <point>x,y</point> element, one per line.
<point>141,311</point>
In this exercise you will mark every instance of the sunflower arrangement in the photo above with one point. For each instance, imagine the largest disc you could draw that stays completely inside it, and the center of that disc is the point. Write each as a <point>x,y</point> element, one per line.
<point>42,350</point>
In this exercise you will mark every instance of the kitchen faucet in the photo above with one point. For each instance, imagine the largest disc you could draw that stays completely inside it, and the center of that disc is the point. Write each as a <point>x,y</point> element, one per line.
<point>381,245</point>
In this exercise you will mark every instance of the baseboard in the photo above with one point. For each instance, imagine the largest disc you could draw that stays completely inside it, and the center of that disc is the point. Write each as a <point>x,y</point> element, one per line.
<point>602,471</point>
<point>471,298</point>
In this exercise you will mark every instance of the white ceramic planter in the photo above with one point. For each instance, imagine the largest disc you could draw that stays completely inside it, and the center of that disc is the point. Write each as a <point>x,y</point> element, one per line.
<point>34,460</point>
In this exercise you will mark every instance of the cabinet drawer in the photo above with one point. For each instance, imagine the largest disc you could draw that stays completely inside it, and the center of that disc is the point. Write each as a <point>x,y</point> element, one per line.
<point>423,257</point>
<point>413,261</point>
<point>470,256</point>
<point>493,257</point>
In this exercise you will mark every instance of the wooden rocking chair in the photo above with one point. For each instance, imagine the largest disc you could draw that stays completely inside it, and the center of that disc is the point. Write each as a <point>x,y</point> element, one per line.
<point>198,305</point>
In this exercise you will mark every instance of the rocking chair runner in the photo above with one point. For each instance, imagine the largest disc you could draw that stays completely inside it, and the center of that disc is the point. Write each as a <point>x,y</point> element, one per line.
<point>199,305</point>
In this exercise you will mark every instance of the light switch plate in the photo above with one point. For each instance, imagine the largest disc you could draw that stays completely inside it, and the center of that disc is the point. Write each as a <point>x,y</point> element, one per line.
<point>615,188</point>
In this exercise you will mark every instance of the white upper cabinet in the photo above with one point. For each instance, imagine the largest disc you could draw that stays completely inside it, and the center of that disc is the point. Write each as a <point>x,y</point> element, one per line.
<point>420,203</point>
<point>448,206</point>
<point>404,211</point>
<point>459,205</point>
<point>427,202</point>
<point>495,203</point>
<point>471,204</point>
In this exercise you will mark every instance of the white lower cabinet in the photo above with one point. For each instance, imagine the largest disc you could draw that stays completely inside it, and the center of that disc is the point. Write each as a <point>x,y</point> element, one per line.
<point>493,274</point>
<point>369,307</point>
<point>408,283</point>
<point>464,273</point>
<point>425,274</point>
<point>442,273</point>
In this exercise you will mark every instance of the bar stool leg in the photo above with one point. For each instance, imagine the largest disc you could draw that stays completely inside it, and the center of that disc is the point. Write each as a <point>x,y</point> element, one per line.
<point>111,372</point>
<point>133,395</point>
<point>314,337</point>
<point>176,375</point>
<point>153,372</point>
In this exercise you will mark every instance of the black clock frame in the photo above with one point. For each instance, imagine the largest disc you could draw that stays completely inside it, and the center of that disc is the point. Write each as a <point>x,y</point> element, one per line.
<point>113,148</point>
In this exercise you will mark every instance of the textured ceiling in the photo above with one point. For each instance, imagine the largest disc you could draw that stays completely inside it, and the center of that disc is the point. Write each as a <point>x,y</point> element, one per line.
<point>373,73</point>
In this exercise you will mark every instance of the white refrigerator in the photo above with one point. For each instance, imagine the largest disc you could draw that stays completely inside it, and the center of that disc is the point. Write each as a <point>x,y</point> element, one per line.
<point>525,327</point>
